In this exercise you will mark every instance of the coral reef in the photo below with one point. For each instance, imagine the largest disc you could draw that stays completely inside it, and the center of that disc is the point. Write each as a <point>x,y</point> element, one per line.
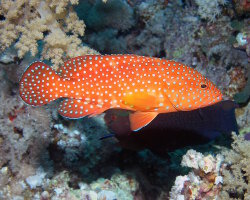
<point>106,21</point>
<point>236,172</point>
<point>107,41</point>
<point>203,182</point>
<point>242,7</point>
<point>79,151</point>
<point>243,96</point>
<point>44,156</point>
<point>18,130</point>
<point>118,187</point>
<point>25,134</point>
<point>149,40</point>
<point>26,22</point>
<point>224,176</point>
<point>115,14</point>
<point>210,9</point>
<point>243,119</point>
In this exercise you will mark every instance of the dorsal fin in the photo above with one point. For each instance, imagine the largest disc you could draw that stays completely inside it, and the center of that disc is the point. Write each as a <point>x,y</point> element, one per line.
<point>77,67</point>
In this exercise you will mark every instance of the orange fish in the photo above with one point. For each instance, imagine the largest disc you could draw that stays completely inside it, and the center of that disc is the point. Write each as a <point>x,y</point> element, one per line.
<point>94,83</point>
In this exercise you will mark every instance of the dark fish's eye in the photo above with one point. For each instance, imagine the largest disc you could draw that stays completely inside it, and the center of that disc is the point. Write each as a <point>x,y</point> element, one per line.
<point>203,86</point>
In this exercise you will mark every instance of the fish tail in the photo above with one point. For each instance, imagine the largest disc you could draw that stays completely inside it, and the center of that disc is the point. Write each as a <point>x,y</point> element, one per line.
<point>40,85</point>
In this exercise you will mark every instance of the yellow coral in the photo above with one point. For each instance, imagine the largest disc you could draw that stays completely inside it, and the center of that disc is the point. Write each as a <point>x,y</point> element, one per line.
<point>8,34</point>
<point>60,6</point>
<point>28,39</point>
<point>27,21</point>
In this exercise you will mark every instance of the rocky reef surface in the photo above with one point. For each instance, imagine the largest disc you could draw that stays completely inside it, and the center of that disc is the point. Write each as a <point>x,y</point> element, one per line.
<point>44,156</point>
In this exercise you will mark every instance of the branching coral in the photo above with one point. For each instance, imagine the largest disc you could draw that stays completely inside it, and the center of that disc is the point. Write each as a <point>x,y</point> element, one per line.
<point>210,9</point>
<point>236,174</point>
<point>25,22</point>
<point>225,176</point>
<point>204,182</point>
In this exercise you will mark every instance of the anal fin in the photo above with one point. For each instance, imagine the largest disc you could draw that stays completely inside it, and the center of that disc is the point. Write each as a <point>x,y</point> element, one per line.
<point>139,120</point>
<point>75,108</point>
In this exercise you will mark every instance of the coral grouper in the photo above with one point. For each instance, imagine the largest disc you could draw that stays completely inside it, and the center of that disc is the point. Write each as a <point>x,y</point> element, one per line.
<point>94,83</point>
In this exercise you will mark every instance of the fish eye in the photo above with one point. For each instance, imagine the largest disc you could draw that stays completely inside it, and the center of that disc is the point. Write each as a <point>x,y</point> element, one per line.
<point>203,86</point>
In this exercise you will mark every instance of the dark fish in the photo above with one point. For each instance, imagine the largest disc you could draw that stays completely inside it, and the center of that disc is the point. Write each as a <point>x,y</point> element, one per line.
<point>247,136</point>
<point>170,131</point>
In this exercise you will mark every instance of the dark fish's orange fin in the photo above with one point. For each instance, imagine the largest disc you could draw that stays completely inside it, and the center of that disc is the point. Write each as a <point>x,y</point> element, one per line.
<point>40,85</point>
<point>74,108</point>
<point>140,119</point>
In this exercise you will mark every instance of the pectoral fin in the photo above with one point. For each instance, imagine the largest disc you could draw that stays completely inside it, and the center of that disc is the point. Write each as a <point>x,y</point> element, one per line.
<point>140,119</point>
<point>141,101</point>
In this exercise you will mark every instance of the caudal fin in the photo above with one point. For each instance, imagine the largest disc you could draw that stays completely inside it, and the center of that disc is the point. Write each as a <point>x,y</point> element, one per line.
<point>40,85</point>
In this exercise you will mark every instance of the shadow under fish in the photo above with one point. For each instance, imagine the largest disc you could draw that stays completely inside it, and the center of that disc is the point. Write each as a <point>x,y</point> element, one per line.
<point>170,131</point>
